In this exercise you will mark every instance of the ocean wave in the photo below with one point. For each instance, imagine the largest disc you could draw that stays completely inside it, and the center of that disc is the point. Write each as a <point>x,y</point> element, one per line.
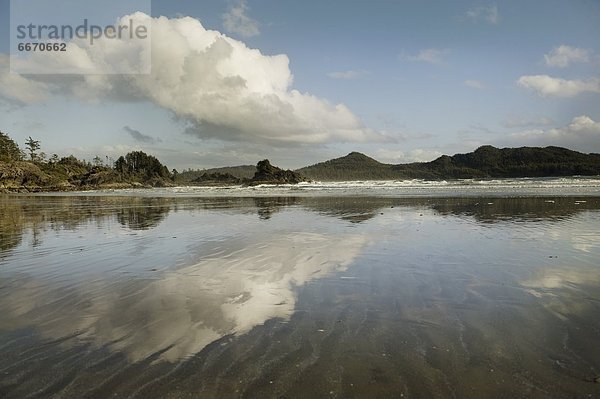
<point>559,186</point>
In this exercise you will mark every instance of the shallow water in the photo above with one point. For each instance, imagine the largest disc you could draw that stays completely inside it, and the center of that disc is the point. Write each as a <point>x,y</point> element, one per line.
<point>307,296</point>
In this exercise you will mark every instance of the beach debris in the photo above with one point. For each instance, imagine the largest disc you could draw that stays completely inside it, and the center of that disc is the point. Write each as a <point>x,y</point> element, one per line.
<point>595,380</point>
<point>550,201</point>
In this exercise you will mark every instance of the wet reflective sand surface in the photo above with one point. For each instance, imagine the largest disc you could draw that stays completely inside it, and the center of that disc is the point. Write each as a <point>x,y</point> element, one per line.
<point>299,297</point>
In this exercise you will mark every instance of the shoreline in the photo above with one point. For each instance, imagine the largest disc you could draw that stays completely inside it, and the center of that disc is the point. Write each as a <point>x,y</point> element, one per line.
<point>507,187</point>
<point>262,184</point>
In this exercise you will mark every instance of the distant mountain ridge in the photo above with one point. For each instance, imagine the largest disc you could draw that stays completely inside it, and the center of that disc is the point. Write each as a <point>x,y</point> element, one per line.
<point>486,161</point>
<point>240,172</point>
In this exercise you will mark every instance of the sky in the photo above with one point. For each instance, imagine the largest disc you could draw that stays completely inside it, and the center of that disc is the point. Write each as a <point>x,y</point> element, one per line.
<point>236,81</point>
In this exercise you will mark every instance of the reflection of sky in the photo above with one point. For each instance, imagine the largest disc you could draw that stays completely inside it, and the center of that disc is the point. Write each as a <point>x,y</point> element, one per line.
<point>567,290</point>
<point>553,279</point>
<point>586,242</point>
<point>225,271</point>
<point>241,281</point>
<point>581,243</point>
<point>105,247</point>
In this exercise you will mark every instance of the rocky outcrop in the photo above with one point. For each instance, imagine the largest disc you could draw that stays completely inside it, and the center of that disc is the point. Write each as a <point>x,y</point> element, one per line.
<point>269,174</point>
<point>23,175</point>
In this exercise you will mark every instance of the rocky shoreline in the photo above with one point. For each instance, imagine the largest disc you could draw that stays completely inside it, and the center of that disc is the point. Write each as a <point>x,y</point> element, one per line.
<point>26,177</point>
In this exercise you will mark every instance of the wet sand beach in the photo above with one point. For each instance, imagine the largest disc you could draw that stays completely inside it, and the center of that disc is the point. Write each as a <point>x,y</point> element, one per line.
<point>299,296</point>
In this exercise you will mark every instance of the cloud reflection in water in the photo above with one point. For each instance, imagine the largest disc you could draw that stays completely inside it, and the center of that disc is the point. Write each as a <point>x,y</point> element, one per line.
<point>184,310</point>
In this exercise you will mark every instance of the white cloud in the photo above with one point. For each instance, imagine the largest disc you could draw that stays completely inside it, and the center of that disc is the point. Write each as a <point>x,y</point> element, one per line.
<point>475,84</point>
<point>218,85</point>
<point>235,20</point>
<point>547,86</point>
<point>582,134</point>
<point>562,56</point>
<point>430,55</point>
<point>348,75</point>
<point>397,156</point>
<point>487,14</point>
<point>17,88</point>
<point>123,55</point>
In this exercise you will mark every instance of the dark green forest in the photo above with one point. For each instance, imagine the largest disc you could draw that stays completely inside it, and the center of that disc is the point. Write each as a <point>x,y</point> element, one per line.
<point>485,162</point>
<point>237,172</point>
<point>32,170</point>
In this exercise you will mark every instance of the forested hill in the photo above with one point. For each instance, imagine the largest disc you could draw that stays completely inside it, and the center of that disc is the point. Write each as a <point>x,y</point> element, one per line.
<point>486,161</point>
<point>354,166</point>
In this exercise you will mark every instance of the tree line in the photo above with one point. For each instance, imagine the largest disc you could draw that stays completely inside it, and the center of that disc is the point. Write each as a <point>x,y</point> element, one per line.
<point>134,166</point>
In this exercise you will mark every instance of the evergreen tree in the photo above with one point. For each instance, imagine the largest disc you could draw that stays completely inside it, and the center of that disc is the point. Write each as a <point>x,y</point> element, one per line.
<point>140,164</point>
<point>9,150</point>
<point>32,146</point>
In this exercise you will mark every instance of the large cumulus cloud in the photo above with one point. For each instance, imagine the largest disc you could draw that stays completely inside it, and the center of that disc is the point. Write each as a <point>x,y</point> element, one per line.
<point>219,86</point>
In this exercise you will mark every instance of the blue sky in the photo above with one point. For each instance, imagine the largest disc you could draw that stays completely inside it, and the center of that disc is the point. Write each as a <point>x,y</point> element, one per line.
<point>415,79</point>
